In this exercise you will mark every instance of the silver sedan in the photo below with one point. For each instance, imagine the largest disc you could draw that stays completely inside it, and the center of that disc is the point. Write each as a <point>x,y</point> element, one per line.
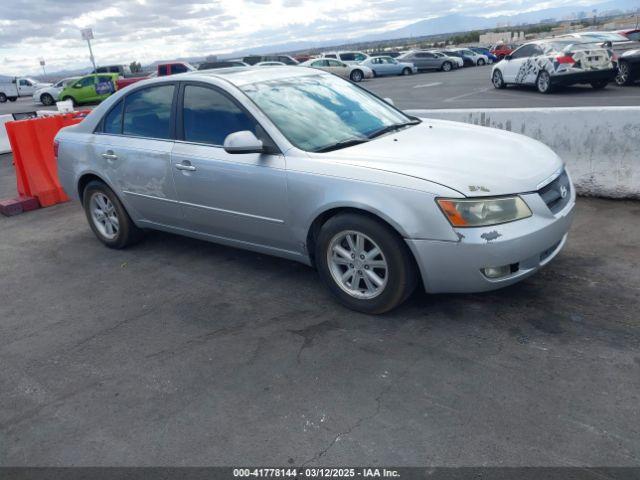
<point>301,164</point>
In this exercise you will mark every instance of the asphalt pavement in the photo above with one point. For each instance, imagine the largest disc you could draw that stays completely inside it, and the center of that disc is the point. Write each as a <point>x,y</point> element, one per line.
<point>181,352</point>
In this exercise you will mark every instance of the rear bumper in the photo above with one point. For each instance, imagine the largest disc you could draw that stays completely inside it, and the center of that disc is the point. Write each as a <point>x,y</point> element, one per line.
<point>525,245</point>
<point>584,77</point>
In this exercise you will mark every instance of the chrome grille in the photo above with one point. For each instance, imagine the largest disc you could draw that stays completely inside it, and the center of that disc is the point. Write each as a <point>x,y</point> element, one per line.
<point>558,193</point>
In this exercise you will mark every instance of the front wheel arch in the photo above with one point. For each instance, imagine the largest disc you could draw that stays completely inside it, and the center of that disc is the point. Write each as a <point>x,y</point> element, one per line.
<point>323,217</point>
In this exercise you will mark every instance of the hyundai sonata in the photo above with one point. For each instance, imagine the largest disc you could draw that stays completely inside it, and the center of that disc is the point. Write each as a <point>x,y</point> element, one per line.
<point>298,163</point>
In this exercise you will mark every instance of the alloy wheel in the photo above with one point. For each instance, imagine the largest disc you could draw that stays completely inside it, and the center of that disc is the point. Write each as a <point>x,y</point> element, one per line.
<point>357,264</point>
<point>623,74</point>
<point>104,216</point>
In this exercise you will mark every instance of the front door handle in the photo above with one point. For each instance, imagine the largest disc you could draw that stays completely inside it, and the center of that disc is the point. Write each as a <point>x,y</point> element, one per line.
<point>109,155</point>
<point>185,166</point>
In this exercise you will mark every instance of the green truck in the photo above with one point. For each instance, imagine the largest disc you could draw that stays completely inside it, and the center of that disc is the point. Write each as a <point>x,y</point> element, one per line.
<point>90,88</point>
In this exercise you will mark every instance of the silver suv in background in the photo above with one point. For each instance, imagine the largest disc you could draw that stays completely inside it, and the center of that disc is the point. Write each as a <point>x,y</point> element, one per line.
<point>425,60</point>
<point>349,58</point>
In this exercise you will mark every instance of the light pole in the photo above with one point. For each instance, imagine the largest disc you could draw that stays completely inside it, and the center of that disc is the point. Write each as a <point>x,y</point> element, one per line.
<point>87,34</point>
<point>44,73</point>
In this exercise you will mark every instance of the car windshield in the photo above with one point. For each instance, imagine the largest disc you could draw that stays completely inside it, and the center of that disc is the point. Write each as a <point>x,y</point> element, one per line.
<point>322,112</point>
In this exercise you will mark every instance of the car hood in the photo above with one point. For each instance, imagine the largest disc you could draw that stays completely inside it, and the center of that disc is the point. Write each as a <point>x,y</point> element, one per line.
<point>475,161</point>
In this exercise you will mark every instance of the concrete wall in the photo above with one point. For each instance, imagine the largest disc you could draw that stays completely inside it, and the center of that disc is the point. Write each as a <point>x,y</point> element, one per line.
<point>601,145</point>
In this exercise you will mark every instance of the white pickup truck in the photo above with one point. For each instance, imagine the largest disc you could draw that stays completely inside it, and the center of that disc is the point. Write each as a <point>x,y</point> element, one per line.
<point>19,87</point>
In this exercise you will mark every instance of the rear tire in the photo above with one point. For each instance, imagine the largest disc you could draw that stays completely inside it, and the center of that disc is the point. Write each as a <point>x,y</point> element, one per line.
<point>356,275</point>
<point>481,62</point>
<point>356,76</point>
<point>406,71</point>
<point>447,66</point>
<point>599,85</point>
<point>497,80</point>
<point>107,216</point>
<point>543,82</point>
<point>47,99</point>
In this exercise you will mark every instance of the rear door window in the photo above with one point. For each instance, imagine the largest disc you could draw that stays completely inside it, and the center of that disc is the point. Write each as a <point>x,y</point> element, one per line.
<point>147,112</point>
<point>208,116</point>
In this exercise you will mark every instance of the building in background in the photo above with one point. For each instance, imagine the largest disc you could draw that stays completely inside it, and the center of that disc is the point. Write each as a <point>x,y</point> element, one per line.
<point>492,38</point>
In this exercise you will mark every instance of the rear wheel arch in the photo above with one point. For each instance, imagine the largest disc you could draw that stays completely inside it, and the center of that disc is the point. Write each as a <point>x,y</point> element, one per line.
<point>89,177</point>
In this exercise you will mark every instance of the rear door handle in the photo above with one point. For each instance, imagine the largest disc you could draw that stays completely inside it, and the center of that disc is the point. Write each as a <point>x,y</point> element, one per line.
<point>185,166</point>
<point>109,155</point>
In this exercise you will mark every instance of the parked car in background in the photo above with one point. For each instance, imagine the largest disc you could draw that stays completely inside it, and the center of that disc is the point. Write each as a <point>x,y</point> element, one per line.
<point>486,52</point>
<point>253,59</point>
<point>122,70</point>
<point>19,87</point>
<point>633,34</point>
<point>50,95</point>
<point>547,63</point>
<point>90,88</point>
<point>501,50</point>
<point>389,66</point>
<point>355,73</point>
<point>628,67</point>
<point>269,64</point>
<point>424,60</point>
<point>221,64</point>
<point>478,59</point>
<point>300,164</point>
<point>467,60</point>
<point>457,61</point>
<point>347,57</point>
<point>162,70</point>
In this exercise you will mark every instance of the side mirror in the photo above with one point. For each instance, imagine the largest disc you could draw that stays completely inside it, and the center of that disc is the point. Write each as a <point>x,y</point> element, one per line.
<point>507,57</point>
<point>243,142</point>
<point>389,101</point>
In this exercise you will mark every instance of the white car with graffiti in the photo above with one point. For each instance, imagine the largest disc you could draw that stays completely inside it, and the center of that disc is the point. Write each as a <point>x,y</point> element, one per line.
<point>548,63</point>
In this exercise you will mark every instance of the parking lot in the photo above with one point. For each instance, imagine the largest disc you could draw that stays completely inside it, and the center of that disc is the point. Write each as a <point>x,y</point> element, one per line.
<point>181,352</point>
<point>463,88</point>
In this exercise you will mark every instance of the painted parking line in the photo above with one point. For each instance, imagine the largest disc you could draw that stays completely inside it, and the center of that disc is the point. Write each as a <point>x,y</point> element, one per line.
<point>434,84</point>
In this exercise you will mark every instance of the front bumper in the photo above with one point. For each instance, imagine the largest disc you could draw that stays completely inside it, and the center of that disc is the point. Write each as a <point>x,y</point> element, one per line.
<point>527,245</point>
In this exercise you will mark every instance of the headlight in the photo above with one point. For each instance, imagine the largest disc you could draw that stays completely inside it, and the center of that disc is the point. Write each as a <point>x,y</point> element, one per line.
<point>482,212</point>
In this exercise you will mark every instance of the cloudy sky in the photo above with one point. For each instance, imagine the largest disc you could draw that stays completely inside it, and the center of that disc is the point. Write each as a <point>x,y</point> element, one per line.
<point>147,30</point>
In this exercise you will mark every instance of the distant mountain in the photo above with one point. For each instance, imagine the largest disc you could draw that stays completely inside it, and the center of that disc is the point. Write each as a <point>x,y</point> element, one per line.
<point>452,24</point>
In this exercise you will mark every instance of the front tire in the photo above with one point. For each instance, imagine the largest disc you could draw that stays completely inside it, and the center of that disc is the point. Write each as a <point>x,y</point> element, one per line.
<point>107,216</point>
<point>3,98</point>
<point>13,99</point>
<point>624,74</point>
<point>543,82</point>
<point>447,66</point>
<point>365,264</point>
<point>47,99</point>
<point>356,76</point>
<point>497,80</point>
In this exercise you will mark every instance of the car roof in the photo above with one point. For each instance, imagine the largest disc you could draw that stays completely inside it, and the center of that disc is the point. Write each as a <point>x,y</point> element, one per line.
<point>240,76</point>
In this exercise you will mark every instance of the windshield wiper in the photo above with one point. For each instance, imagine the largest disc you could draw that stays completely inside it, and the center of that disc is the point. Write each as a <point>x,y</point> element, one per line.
<point>342,144</point>
<point>393,127</point>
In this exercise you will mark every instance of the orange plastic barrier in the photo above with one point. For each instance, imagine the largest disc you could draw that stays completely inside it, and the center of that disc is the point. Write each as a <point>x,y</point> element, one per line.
<point>32,145</point>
